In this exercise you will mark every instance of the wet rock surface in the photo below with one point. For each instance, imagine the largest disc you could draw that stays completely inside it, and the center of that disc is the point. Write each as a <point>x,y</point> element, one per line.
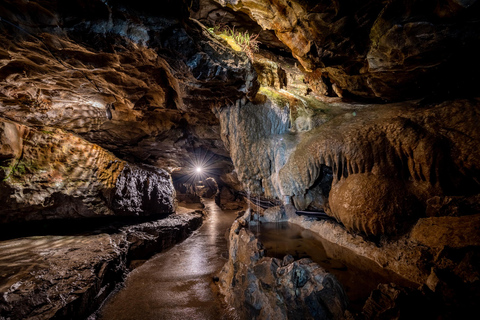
<point>69,276</point>
<point>179,283</point>
<point>262,287</point>
<point>92,92</point>
<point>443,264</point>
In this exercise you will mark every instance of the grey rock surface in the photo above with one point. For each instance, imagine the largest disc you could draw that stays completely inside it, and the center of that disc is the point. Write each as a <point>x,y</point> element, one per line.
<point>267,288</point>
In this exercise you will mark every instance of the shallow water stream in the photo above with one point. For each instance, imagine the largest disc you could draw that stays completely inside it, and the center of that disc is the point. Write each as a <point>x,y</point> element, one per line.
<point>177,284</point>
<point>358,275</point>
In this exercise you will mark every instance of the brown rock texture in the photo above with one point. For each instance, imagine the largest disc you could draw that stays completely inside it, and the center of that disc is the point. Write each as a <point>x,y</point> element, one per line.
<point>55,174</point>
<point>137,81</point>
<point>389,301</point>
<point>96,96</point>
<point>372,204</point>
<point>388,161</point>
<point>376,49</point>
<point>452,232</point>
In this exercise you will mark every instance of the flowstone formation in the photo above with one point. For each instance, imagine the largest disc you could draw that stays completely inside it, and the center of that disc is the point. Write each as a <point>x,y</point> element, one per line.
<point>99,103</point>
<point>401,176</point>
<point>389,163</point>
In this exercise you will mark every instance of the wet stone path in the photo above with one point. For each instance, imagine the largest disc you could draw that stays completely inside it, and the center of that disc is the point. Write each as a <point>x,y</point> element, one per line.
<point>178,283</point>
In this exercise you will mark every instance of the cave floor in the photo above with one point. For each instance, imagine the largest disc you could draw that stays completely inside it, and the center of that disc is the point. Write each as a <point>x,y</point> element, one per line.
<point>178,283</point>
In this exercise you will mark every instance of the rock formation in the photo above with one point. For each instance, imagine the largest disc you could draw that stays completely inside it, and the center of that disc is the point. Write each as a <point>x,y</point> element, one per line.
<point>57,175</point>
<point>69,276</point>
<point>375,49</point>
<point>137,84</point>
<point>366,111</point>
<point>262,287</point>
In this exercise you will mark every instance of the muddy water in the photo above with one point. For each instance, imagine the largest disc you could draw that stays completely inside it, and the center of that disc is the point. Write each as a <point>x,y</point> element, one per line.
<point>177,284</point>
<point>358,275</point>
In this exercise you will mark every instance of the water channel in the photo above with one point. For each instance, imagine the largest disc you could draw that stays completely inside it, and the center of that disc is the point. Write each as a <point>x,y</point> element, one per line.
<point>178,283</point>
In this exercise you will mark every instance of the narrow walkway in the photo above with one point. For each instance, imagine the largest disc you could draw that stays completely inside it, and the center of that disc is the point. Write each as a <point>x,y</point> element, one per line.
<point>177,284</point>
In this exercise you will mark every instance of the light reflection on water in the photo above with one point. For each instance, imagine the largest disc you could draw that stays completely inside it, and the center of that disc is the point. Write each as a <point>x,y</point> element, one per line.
<point>178,283</point>
<point>20,257</point>
<point>358,275</point>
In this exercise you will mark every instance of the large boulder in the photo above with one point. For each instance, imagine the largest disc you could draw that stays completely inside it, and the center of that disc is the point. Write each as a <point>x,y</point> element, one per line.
<point>372,204</point>
<point>58,175</point>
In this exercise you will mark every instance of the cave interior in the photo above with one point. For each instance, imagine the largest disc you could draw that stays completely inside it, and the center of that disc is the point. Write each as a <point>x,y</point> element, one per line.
<point>122,122</point>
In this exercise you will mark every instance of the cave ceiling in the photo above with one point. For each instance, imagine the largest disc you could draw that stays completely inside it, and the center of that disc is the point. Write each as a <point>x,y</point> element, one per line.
<point>140,79</point>
<point>137,82</point>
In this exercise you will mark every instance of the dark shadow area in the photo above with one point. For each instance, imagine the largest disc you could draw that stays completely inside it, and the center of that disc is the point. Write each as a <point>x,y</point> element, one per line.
<point>87,226</point>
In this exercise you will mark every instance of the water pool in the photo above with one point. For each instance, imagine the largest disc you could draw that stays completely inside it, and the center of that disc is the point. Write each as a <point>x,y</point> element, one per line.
<point>358,275</point>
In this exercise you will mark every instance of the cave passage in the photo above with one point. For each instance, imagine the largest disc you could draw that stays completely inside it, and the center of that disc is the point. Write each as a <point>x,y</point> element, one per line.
<point>356,120</point>
<point>178,284</point>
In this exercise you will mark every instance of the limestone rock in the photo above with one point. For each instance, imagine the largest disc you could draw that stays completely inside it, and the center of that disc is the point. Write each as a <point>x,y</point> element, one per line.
<point>266,288</point>
<point>59,175</point>
<point>389,301</point>
<point>143,191</point>
<point>453,232</point>
<point>351,201</point>
<point>270,74</point>
<point>229,200</point>
<point>455,280</point>
<point>213,14</point>
<point>11,141</point>
<point>273,214</point>
<point>376,49</point>
<point>391,159</point>
<point>452,206</point>
<point>207,188</point>
<point>410,153</point>
<point>249,129</point>
<point>136,81</point>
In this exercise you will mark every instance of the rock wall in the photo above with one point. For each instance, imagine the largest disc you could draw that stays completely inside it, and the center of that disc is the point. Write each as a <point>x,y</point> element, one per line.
<point>439,255</point>
<point>134,78</point>
<point>249,129</point>
<point>140,79</point>
<point>388,161</point>
<point>56,175</point>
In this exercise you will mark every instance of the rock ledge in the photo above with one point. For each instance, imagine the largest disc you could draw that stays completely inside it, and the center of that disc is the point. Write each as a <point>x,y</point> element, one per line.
<point>69,276</point>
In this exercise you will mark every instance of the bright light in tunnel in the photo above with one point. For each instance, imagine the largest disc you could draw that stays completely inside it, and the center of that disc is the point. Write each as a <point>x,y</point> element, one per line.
<point>199,164</point>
